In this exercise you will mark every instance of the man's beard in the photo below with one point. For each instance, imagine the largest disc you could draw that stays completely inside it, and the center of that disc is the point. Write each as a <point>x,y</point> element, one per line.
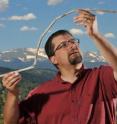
<point>76,59</point>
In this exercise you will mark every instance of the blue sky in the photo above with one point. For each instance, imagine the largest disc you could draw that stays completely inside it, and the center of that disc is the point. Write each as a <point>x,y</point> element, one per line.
<point>23,21</point>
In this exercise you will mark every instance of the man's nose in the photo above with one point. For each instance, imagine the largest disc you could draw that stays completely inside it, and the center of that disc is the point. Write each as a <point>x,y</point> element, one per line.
<point>72,45</point>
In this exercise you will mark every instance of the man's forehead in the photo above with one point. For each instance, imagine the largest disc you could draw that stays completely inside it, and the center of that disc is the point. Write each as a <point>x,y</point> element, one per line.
<point>61,38</point>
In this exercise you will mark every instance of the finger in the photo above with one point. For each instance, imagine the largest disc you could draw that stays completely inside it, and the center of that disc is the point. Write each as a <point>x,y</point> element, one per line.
<point>86,16</point>
<point>14,82</point>
<point>80,20</point>
<point>10,77</point>
<point>12,85</point>
<point>7,76</point>
<point>83,24</point>
<point>85,12</point>
<point>76,18</point>
<point>84,21</point>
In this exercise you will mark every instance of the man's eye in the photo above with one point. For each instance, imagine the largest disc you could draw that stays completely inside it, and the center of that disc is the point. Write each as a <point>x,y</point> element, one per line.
<point>72,41</point>
<point>64,45</point>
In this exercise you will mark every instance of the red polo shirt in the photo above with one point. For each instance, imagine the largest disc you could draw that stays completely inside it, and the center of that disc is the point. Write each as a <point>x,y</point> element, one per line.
<point>89,100</point>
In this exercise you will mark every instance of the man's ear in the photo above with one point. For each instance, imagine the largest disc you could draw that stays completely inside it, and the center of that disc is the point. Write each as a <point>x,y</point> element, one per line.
<point>53,60</point>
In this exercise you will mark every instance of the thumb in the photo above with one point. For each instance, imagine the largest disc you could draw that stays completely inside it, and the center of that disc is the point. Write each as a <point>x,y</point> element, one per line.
<point>95,25</point>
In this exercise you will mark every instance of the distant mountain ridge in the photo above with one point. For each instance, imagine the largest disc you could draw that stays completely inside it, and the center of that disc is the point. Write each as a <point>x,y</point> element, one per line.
<point>22,54</point>
<point>23,57</point>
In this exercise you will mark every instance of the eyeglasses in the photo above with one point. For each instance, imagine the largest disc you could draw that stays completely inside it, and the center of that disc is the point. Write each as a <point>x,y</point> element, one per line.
<point>65,44</point>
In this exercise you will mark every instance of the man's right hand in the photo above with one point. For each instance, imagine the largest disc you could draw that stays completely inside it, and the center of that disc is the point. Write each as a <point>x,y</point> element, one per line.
<point>10,81</point>
<point>88,20</point>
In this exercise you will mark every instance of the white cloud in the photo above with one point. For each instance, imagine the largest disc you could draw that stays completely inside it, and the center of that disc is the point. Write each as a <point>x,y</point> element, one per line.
<point>109,35</point>
<point>26,28</point>
<point>54,2</point>
<point>26,17</point>
<point>3,4</point>
<point>75,31</point>
<point>2,25</point>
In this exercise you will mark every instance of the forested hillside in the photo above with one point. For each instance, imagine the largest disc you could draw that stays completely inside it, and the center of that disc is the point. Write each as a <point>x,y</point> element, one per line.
<point>31,79</point>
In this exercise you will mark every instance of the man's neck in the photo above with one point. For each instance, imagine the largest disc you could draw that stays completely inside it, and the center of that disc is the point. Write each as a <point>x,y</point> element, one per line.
<point>70,74</point>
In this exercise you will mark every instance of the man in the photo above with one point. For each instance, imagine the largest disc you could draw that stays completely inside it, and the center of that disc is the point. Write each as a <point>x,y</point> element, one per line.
<point>76,95</point>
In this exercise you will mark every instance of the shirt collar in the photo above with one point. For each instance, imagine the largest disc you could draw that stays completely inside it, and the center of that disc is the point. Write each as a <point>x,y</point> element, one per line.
<point>79,75</point>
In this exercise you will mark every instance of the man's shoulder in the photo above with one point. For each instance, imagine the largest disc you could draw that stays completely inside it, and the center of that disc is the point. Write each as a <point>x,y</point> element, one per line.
<point>98,70</point>
<point>101,67</point>
<point>43,87</point>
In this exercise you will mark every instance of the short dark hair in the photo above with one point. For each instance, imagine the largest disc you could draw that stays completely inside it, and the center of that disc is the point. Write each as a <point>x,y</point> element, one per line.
<point>49,47</point>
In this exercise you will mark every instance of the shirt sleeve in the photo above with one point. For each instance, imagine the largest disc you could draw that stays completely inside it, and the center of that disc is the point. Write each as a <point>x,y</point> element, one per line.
<point>108,81</point>
<point>27,110</point>
<point>31,107</point>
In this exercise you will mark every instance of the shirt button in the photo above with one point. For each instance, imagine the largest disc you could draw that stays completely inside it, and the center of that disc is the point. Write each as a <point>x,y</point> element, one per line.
<point>73,100</point>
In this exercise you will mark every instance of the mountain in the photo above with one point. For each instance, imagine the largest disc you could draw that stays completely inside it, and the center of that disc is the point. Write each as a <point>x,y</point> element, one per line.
<point>23,54</point>
<point>93,57</point>
<point>23,57</point>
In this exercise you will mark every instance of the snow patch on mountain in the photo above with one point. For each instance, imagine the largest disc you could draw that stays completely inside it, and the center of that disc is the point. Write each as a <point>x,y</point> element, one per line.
<point>93,57</point>
<point>23,57</point>
<point>23,54</point>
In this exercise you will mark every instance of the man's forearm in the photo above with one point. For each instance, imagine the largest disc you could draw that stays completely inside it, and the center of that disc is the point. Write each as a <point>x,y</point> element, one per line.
<point>107,50</point>
<point>11,109</point>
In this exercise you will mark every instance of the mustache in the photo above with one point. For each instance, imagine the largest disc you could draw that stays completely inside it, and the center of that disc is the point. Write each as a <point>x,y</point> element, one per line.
<point>72,51</point>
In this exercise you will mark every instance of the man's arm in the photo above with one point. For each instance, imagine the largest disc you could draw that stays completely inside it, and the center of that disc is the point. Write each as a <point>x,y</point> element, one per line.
<point>107,50</point>
<point>88,20</point>
<point>11,108</point>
